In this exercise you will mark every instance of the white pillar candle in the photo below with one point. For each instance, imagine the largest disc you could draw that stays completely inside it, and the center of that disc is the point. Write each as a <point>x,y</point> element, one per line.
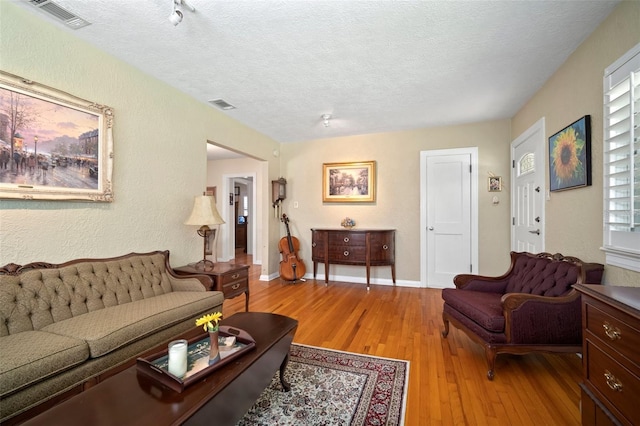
<point>178,357</point>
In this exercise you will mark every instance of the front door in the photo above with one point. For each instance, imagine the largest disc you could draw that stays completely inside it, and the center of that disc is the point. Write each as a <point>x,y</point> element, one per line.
<point>528,190</point>
<point>448,219</point>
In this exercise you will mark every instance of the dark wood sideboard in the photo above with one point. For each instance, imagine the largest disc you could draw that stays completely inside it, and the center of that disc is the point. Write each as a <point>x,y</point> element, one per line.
<point>360,247</point>
<point>611,359</point>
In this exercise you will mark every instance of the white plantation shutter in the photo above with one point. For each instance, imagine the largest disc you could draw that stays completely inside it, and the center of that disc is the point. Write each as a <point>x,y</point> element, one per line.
<point>622,161</point>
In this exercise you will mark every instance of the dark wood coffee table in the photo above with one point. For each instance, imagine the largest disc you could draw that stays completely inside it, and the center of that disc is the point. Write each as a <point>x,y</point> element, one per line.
<point>222,398</point>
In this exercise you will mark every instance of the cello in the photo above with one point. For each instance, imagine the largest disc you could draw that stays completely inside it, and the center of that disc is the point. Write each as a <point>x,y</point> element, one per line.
<point>291,266</point>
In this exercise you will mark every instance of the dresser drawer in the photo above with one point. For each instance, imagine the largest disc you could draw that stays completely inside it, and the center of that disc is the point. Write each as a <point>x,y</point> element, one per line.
<point>347,239</point>
<point>617,331</point>
<point>619,386</point>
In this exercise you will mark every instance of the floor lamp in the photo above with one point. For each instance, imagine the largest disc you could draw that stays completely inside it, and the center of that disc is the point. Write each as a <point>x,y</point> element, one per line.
<point>204,214</point>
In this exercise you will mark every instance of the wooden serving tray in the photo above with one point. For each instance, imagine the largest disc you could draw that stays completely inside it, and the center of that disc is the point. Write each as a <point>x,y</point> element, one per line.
<point>155,365</point>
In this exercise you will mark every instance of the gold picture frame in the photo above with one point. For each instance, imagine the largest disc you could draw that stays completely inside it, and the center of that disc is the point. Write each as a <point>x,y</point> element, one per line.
<point>48,161</point>
<point>349,182</point>
<point>495,183</point>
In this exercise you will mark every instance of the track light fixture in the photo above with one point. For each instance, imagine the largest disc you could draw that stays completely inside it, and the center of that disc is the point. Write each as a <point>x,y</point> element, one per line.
<point>176,16</point>
<point>325,119</point>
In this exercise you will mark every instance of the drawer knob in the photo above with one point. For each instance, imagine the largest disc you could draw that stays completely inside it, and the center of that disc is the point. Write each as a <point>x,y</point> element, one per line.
<point>385,247</point>
<point>235,286</point>
<point>346,239</point>
<point>346,253</point>
<point>313,244</point>
<point>612,381</point>
<point>234,276</point>
<point>612,332</point>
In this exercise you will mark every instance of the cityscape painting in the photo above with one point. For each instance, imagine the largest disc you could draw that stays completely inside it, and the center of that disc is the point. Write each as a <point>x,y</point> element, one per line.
<point>53,146</point>
<point>349,182</point>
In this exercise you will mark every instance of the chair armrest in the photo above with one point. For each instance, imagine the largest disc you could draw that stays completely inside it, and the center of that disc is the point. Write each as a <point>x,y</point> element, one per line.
<point>535,319</point>
<point>480,283</point>
<point>512,301</point>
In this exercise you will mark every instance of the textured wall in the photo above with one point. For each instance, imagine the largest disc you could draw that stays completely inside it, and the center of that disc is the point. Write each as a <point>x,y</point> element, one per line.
<point>160,153</point>
<point>574,218</point>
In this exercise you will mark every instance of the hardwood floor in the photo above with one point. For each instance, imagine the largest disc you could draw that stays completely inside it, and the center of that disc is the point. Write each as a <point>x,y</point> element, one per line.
<point>447,377</point>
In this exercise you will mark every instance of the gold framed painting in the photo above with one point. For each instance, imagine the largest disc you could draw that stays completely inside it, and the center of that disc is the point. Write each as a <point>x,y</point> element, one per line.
<point>349,182</point>
<point>495,183</point>
<point>53,145</point>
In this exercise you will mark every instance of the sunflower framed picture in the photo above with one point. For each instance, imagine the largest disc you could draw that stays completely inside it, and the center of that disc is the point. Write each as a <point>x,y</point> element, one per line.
<point>570,156</point>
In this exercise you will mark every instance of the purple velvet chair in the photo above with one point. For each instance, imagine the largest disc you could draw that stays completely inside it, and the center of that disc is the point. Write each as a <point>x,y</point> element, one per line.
<point>532,307</point>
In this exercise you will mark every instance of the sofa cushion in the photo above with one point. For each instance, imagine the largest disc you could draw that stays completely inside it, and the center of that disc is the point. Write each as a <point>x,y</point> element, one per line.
<point>542,276</point>
<point>483,308</point>
<point>105,330</point>
<point>33,356</point>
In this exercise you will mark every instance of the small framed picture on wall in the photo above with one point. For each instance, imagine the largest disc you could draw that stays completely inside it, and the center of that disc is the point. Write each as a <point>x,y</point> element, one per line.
<point>495,184</point>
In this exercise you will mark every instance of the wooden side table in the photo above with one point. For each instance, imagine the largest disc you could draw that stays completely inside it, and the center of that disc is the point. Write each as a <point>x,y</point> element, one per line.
<point>229,278</point>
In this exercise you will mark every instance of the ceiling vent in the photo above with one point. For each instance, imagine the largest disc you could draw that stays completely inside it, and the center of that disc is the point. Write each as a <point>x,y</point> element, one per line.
<point>222,104</point>
<point>60,13</point>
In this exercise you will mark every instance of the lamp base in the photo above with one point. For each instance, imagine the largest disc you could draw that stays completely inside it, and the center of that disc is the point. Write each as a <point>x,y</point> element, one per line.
<point>204,265</point>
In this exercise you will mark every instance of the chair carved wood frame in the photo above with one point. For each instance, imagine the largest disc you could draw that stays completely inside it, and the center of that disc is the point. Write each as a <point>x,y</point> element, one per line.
<point>497,312</point>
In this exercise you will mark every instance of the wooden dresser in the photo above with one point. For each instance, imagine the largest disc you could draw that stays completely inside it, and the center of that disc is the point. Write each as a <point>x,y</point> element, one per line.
<point>364,247</point>
<point>611,355</point>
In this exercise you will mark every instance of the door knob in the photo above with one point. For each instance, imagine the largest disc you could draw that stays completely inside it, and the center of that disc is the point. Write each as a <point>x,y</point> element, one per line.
<point>537,232</point>
<point>431,228</point>
<point>537,219</point>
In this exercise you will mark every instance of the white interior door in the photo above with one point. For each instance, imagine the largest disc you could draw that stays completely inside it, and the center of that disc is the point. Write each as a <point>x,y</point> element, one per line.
<point>449,216</point>
<point>528,190</point>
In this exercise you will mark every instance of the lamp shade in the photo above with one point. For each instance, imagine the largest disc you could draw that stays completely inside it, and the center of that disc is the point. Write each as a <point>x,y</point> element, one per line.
<point>204,212</point>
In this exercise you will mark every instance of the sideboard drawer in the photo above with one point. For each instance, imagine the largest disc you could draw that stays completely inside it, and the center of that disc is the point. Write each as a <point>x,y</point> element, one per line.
<point>617,384</point>
<point>346,253</point>
<point>383,247</point>
<point>318,243</point>
<point>617,331</point>
<point>347,239</point>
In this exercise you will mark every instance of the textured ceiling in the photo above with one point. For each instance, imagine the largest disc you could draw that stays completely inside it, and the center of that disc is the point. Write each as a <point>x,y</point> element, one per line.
<point>375,66</point>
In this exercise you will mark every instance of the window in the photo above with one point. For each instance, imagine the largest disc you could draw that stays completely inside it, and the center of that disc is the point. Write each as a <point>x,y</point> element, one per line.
<point>622,161</point>
<point>527,164</point>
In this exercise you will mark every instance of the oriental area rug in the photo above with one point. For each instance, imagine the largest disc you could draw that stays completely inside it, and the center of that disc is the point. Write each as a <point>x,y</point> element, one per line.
<point>334,388</point>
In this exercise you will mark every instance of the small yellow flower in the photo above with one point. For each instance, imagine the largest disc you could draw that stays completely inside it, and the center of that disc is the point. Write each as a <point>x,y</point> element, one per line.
<point>210,321</point>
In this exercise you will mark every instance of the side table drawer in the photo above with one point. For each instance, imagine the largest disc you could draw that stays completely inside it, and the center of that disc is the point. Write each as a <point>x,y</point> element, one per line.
<point>234,283</point>
<point>617,384</point>
<point>233,276</point>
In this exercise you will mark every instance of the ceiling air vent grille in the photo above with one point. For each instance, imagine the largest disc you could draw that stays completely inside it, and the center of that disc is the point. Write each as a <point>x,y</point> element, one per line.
<point>222,104</point>
<point>60,13</point>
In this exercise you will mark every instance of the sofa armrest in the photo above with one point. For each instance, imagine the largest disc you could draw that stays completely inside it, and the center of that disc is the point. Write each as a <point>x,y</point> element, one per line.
<point>191,282</point>
<point>522,313</point>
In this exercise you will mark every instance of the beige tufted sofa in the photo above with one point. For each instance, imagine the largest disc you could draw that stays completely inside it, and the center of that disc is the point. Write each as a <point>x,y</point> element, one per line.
<point>66,327</point>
